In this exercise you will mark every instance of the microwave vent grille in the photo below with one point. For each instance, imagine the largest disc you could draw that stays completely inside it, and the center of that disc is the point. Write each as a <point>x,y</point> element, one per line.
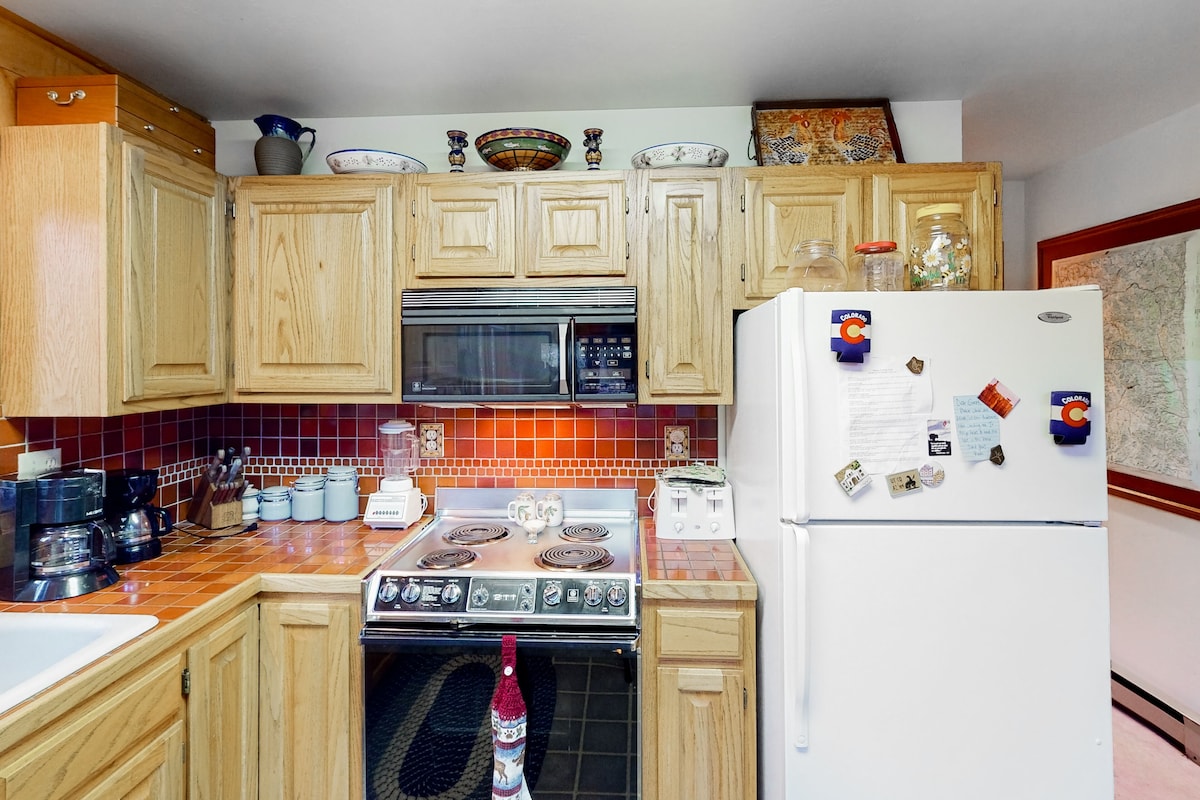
<point>607,297</point>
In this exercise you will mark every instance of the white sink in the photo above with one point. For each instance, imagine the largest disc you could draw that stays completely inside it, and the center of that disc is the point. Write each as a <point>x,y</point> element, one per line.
<point>39,649</point>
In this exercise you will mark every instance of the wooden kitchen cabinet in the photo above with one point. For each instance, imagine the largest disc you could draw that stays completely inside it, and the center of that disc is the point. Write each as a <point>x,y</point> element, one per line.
<point>310,709</point>
<point>223,710</point>
<point>517,226</point>
<point>685,314</point>
<point>125,742</point>
<point>315,288</point>
<point>700,724</point>
<point>783,206</point>
<point>115,264</point>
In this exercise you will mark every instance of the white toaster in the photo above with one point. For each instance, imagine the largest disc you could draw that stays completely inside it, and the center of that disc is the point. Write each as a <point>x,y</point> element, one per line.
<point>692,510</point>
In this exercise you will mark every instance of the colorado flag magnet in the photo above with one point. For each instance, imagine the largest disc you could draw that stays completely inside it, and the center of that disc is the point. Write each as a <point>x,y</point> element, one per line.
<point>850,334</point>
<point>1070,417</point>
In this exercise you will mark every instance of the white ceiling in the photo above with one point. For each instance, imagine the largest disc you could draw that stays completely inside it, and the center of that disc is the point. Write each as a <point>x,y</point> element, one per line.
<point>1039,80</point>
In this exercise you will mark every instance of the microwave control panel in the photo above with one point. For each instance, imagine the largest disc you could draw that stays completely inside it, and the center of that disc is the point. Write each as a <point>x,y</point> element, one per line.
<point>605,360</point>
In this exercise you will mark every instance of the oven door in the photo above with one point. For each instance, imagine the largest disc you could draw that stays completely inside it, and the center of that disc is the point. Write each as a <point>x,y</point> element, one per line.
<point>427,720</point>
<point>480,359</point>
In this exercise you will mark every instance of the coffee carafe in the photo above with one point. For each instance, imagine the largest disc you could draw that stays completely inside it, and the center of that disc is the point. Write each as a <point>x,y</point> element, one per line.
<point>69,549</point>
<point>137,525</point>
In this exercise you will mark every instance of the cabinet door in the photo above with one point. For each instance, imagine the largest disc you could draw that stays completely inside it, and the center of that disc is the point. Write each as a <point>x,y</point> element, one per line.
<point>685,318</point>
<point>313,285</point>
<point>897,195</point>
<point>573,228</point>
<point>129,739</point>
<point>223,711</point>
<point>310,683</point>
<point>780,212</point>
<point>700,726</point>
<point>174,312</point>
<point>464,228</point>
<point>153,771</point>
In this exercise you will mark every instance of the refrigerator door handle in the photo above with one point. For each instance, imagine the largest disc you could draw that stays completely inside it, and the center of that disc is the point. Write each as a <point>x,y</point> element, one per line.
<point>795,633</point>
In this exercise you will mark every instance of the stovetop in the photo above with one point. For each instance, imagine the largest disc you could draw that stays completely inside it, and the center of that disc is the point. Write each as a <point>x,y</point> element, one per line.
<point>472,564</point>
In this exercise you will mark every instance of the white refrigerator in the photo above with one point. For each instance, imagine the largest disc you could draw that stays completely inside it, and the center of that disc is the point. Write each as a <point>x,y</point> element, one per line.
<point>931,565</point>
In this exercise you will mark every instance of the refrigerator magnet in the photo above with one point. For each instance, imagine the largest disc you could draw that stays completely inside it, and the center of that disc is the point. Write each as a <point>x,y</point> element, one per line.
<point>999,398</point>
<point>852,478</point>
<point>939,437</point>
<point>997,455</point>
<point>850,334</point>
<point>902,483</point>
<point>932,474</point>
<point>1070,417</point>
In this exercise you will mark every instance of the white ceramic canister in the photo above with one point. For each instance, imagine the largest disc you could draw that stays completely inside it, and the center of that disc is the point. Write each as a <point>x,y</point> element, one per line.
<point>341,494</point>
<point>275,503</point>
<point>251,498</point>
<point>308,498</point>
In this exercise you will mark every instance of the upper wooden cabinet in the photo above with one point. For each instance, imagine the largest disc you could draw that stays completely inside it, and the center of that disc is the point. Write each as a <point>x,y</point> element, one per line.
<point>685,318</point>
<point>315,288</point>
<point>510,226</point>
<point>783,206</point>
<point>115,263</point>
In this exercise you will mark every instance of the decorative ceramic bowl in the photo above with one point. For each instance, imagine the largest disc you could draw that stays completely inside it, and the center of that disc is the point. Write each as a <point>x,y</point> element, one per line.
<point>522,149</point>
<point>680,154</point>
<point>351,161</point>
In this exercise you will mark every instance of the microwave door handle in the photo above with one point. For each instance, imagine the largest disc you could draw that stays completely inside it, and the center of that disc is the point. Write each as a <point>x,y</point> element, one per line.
<point>563,357</point>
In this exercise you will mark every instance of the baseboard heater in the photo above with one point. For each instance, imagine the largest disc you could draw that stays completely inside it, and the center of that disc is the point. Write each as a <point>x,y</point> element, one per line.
<point>1179,730</point>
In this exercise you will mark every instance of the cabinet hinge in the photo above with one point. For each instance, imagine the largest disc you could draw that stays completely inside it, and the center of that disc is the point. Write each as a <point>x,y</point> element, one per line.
<point>743,273</point>
<point>995,198</point>
<point>414,251</point>
<point>230,209</point>
<point>647,204</point>
<point>627,205</point>
<point>743,204</point>
<point>745,698</point>
<point>627,251</point>
<point>414,208</point>
<point>647,369</point>
<point>186,682</point>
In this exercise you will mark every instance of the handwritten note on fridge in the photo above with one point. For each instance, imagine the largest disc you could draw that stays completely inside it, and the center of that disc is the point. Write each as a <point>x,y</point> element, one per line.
<point>884,409</point>
<point>977,427</point>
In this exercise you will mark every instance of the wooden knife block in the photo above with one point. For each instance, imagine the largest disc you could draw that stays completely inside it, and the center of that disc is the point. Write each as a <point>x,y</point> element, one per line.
<point>202,511</point>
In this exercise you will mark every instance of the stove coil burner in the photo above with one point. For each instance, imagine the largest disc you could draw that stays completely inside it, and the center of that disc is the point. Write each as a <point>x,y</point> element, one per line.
<point>574,556</point>
<point>586,532</point>
<point>476,533</point>
<point>446,559</point>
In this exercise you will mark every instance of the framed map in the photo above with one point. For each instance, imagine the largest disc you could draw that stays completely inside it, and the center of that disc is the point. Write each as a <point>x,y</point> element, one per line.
<point>1148,267</point>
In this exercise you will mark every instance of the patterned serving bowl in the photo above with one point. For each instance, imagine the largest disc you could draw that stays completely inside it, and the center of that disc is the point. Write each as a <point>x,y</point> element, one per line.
<point>680,154</point>
<point>522,149</point>
<point>352,161</point>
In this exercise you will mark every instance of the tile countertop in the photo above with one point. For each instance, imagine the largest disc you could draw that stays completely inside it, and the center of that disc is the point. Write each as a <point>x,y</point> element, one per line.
<point>196,566</point>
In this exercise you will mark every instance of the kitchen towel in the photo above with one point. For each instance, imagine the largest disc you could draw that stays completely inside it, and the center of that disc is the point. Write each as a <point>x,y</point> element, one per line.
<point>508,729</point>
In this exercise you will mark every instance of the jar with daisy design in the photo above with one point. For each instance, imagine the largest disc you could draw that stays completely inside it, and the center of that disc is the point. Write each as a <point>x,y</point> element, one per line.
<point>939,253</point>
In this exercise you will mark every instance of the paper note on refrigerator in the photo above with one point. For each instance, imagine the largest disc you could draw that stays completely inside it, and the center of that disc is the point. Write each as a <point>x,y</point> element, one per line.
<point>884,410</point>
<point>977,426</point>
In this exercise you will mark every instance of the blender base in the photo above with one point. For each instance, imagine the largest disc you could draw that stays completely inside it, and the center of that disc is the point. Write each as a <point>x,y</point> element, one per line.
<point>394,509</point>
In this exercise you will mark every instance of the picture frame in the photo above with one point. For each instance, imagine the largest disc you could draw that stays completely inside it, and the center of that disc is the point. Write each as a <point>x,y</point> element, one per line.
<point>811,132</point>
<point>1148,267</point>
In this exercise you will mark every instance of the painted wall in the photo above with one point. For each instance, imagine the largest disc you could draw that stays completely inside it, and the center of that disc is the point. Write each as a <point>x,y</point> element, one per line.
<point>1155,556</point>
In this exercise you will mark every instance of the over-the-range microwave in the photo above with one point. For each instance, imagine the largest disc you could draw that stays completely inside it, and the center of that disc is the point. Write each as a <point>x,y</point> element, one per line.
<point>519,345</point>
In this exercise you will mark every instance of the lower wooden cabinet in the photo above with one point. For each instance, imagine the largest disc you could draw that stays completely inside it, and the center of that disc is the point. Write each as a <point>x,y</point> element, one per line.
<point>699,728</point>
<point>310,700</point>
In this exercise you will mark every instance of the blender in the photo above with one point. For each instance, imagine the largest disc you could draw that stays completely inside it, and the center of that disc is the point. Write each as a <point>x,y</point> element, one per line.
<point>398,503</point>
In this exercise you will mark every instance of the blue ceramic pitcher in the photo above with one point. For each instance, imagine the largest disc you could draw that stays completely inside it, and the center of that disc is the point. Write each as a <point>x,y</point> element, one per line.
<point>278,151</point>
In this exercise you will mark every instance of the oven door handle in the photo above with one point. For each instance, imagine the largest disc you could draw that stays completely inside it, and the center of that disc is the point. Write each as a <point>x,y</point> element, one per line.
<point>619,643</point>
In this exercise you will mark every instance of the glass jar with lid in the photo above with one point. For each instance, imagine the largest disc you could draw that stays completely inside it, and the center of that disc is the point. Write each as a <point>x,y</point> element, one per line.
<point>816,268</point>
<point>879,266</point>
<point>940,249</point>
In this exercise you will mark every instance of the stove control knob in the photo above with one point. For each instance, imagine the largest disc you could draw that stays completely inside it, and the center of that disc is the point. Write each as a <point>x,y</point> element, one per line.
<point>552,594</point>
<point>479,597</point>
<point>617,595</point>
<point>593,594</point>
<point>525,605</point>
<point>411,593</point>
<point>388,592</point>
<point>451,592</point>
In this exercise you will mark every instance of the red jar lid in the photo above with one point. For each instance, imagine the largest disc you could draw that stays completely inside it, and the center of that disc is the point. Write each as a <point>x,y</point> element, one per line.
<point>874,247</point>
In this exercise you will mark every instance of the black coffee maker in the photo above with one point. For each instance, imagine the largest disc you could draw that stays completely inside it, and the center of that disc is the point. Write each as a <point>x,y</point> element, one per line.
<point>54,542</point>
<point>137,525</point>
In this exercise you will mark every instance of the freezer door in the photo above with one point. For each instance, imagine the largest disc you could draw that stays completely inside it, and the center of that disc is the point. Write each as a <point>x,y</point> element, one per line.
<point>879,411</point>
<point>937,663</point>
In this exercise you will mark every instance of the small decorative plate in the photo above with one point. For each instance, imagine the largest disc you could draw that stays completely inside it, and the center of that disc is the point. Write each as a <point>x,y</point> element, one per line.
<point>352,161</point>
<point>680,154</point>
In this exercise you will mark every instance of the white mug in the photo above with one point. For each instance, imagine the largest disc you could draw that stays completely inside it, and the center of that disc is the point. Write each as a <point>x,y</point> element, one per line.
<point>522,508</point>
<point>550,508</point>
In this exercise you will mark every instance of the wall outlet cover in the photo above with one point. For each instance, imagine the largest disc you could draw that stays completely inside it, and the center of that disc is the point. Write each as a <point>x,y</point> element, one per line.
<point>31,465</point>
<point>676,443</point>
<point>432,434</point>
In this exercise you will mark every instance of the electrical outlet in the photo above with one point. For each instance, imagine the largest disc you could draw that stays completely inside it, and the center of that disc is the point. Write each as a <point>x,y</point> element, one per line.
<point>675,440</point>
<point>432,435</point>
<point>30,465</point>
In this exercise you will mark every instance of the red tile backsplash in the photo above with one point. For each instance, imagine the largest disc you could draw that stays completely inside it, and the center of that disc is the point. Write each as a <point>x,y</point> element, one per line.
<point>579,447</point>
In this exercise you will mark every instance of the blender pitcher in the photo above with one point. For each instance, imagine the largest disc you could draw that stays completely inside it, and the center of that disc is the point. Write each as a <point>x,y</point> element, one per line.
<point>398,503</point>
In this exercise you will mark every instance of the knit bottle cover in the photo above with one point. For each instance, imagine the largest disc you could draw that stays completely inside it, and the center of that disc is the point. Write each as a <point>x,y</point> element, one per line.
<point>508,729</point>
